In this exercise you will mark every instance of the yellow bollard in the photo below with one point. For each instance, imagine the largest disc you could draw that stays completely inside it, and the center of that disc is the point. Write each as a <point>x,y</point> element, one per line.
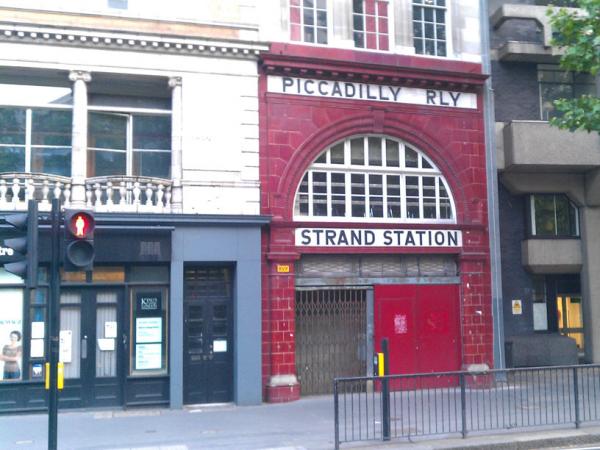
<point>60,380</point>
<point>380,364</point>
<point>47,376</point>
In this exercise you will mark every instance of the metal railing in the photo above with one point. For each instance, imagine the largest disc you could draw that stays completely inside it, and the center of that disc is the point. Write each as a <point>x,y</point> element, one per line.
<point>404,406</point>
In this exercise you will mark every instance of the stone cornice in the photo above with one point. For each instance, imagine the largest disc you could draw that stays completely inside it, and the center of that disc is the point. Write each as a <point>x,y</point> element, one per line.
<point>348,65</point>
<point>116,40</point>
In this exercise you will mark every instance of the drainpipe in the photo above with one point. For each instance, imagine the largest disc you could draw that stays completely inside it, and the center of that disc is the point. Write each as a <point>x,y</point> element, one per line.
<point>492,189</point>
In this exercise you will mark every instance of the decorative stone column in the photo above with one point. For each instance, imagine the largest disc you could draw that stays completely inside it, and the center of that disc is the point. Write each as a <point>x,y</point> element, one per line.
<point>79,136</point>
<point>176,144</point>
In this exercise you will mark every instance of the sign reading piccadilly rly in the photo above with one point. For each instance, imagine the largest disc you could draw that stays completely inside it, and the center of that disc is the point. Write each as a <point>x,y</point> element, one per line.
<point>372,92</point>
<point>340,237</point>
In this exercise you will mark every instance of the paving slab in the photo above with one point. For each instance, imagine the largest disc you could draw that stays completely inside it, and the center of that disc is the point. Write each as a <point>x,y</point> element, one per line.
<point>307,424</point>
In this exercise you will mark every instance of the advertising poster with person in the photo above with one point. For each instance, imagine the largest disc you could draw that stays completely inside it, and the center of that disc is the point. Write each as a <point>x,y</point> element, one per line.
<point>11,335</point>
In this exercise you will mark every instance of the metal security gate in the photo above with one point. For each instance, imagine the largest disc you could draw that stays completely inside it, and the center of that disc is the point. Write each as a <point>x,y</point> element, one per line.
<point>330,337</point>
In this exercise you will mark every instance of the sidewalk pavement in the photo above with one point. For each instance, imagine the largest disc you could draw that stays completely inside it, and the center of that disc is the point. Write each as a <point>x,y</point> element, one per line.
<point>302,425</point>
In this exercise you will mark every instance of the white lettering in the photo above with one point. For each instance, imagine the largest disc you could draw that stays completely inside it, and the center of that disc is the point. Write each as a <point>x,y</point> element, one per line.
<point>339,237</point>
<point>370,92</point>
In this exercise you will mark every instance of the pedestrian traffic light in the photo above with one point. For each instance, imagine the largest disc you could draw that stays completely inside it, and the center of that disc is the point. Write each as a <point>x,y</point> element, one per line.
<point>79,240</point>
<point>24,258</point>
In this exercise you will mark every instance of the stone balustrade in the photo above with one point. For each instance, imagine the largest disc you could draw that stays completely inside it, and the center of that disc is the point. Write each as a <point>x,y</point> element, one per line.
<point>103,194</point>
<point>17,188</point>
<point>128,194</point>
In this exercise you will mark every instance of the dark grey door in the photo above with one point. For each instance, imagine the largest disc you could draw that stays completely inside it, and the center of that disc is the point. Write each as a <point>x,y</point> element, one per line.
<point>208,335</point>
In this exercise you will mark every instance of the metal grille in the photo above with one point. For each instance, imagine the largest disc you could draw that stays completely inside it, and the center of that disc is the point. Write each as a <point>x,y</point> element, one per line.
<point>202,282</point>
<point>376,266</point>
<point>330,337</point>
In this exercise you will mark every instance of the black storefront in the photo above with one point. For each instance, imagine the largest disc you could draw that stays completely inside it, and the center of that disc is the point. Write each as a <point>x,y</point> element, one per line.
<point>114,332</point>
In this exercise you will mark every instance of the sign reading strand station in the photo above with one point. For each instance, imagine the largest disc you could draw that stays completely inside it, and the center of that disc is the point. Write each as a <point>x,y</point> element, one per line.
<point>340,237</point>
<point>372,92</point>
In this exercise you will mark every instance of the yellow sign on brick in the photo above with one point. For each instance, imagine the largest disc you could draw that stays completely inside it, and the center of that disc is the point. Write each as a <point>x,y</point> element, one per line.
<point>283,268</point>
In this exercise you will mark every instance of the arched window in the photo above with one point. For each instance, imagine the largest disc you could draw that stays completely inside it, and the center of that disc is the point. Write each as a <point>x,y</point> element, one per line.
<point>374,179</point>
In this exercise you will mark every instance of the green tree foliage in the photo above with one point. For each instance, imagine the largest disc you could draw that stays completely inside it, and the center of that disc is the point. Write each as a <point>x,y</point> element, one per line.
<point>578,35</point>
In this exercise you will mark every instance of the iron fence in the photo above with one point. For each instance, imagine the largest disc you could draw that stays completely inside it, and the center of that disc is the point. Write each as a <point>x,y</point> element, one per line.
<point>404,406</point>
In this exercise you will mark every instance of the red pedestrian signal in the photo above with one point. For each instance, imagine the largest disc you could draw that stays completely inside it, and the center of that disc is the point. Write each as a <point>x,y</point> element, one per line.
<point>81,224</point>
<point>79,241</point>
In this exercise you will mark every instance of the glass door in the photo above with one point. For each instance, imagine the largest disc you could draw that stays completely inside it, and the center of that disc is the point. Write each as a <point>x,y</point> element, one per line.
<point>570,318</point>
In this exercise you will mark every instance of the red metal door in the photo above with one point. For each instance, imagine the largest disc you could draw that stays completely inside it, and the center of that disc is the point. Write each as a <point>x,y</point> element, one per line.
<point>422,325</point>
<point>438,330</point>
<point>395,319</point>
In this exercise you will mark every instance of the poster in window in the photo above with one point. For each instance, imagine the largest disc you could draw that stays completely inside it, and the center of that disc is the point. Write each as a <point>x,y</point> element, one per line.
<point>37,330</point>
<point>148,329</point>
<point>11,335</point>
<point>36,349</point>
<point>65,346</point>
<point>148,356</point>
<point>110,329</point>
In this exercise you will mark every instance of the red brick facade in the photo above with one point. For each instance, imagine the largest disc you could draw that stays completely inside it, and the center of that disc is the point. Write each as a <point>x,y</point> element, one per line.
<point>294,130</point>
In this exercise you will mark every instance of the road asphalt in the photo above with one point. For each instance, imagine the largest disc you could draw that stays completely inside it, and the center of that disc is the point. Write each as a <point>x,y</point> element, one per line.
<point>307,424</point>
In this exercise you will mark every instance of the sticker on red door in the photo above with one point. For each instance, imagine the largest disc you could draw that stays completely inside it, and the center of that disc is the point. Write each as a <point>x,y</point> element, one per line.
<point>400,324</point>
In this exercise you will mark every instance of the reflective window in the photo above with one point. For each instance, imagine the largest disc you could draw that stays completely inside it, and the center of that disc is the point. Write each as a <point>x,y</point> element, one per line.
<point>370,27</point>
<point>429,27</point>
<point>35,140</point>
<point>374,178</point>
<point>308,21</point>
<point>129,144</point>
<point>553,215</point>
<point>555,83</point>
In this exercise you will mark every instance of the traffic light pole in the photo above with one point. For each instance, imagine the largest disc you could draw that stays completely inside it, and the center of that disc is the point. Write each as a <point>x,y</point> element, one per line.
<point>53,325</point>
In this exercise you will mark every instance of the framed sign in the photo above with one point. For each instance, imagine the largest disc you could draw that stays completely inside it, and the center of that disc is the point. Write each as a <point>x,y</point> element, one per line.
<point>148,329</point>
<point>149,333</point>
<point>148,303</point>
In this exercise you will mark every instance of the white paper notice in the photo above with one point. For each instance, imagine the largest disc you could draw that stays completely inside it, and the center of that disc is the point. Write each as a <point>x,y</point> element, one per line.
<point>106,345</point>
<point>65,346</point>
<point>37,348</point>
<point>110,329</point>
<point>148,356</point>
<point>148,329</point>
<point>220,346</point>
<point>37,330</point>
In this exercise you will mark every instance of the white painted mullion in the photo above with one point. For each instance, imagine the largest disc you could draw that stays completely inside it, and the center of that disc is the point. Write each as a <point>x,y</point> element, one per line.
<point>367,195</point>
<point>403,209</point>
<point>420,194</point>
<point>402,155</point>
<point>328,182</point>
<point>347,195</point>
<point>385,195</point>
<point>310,194</point>
<point>28,132</point>
<point>438,214</point>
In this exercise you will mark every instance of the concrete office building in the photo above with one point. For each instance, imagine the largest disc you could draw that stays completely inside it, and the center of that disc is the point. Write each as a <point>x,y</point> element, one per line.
<point>148,116</point>
<point>548,190</point>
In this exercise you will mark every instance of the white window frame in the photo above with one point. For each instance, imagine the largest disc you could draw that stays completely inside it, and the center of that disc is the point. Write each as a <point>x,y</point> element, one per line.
<point>389,18</point>
<point>365,169</point>
<point>447,23</point>
<point>129,149</point>
<point>329,11</point>
<point>29,130</point>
